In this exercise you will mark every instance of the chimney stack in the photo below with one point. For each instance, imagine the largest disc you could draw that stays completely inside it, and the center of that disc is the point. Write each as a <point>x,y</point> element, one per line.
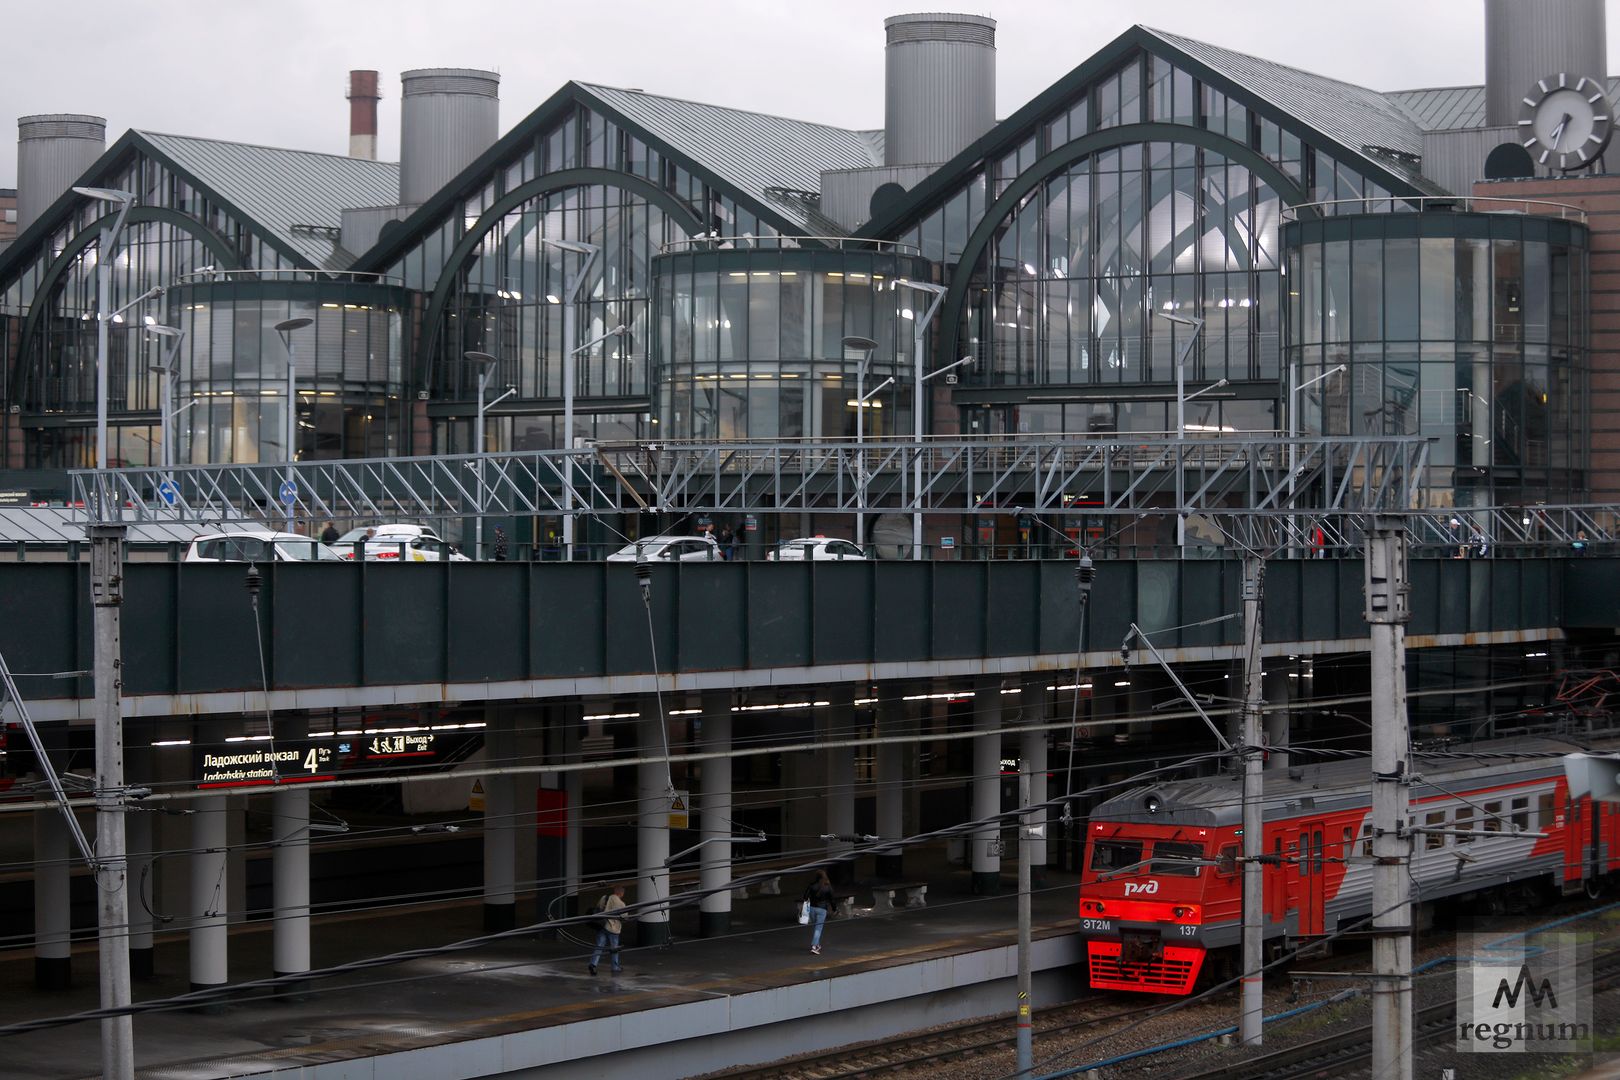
<point>364,93</point>
<point>940,85</point>
<point>448,116</point>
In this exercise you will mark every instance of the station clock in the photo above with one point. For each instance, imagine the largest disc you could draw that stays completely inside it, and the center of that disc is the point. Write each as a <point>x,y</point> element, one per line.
<point>1566,121</point>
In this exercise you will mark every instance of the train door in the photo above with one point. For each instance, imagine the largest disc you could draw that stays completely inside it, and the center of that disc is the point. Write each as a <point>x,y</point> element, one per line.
<point>1312,879</point>
<point>1575,868</point>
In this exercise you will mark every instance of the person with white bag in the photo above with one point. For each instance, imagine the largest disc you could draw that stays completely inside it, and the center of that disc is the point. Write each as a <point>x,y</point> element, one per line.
<point>815,906</point>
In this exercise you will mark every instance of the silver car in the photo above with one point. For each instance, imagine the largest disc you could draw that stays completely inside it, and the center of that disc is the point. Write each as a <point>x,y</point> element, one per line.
<point>670,549</point>
<point>816,549</point>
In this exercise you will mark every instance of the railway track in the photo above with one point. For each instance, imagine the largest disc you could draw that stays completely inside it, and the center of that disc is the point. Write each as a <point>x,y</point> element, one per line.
<point>1332,1054</point>
<point>960,1041</point>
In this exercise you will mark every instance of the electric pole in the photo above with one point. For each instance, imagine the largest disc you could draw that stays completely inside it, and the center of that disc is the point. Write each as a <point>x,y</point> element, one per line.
<point>1253,1003</point>
<point>1026,1033</point>
<point>111,863</point>
<point>1388,609</point>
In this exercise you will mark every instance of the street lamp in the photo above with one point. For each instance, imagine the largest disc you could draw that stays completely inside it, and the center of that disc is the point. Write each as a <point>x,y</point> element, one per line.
<point>1181,420</point>
<point>865,346</point>
<point>167,372</point>
<point>918,332</point>
<point>285,329</point>
<point>489,364</point>
<point>109,237</point>
<point>570,299</point>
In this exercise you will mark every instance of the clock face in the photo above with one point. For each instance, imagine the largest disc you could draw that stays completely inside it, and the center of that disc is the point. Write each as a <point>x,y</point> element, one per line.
<point>1565,122</point>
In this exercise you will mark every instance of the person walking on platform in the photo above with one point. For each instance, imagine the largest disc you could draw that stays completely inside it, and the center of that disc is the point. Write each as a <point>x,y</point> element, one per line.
<point>819,896</point>
<point>608,928</point>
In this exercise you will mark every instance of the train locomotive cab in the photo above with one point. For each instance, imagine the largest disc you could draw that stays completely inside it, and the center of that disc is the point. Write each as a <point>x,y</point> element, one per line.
<point>1154,879</point>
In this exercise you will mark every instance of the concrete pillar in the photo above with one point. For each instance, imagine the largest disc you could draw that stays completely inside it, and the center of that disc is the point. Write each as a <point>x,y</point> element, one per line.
<point>529,745</point>
<point>210,892</point>
<point>1279,695</point>
<point>53,913</point>
<point>138,839</point>
<point>574,783</point>
<point>169,891</point>
<point>890,779</point>
<point>289,883</point>
<point>985,844</point>
<point>500,838</point>
<point>714,813</point>
<point>1032,753</point>
<point>838,725</point>
<point>652,828</point>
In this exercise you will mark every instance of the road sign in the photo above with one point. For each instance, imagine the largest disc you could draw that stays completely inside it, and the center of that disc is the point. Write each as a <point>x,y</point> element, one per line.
<point>679,803</point>
<point>169,492</point>
<point>289,491</point>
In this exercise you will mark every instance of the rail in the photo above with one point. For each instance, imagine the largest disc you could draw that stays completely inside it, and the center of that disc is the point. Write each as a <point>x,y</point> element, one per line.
<point>1464,204</point>
<point>748,242</point>
<point>231,277</point>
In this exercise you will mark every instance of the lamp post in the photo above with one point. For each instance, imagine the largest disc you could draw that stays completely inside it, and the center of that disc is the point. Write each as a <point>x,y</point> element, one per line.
<point>865,346</point>
<point>1181,420</point>
<point>918,333</point>
<point>489,364</point>
<point>109,237</point>
<point>285,329</point>
<point>570,300</point>
<point>166,373</point>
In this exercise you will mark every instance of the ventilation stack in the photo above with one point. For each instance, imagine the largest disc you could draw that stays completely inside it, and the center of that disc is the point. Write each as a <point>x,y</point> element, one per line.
<point>53,151</point>
<point>940,85</point>
<point>448,116</point>
<point>363,95</point>
<point>1526,40</point>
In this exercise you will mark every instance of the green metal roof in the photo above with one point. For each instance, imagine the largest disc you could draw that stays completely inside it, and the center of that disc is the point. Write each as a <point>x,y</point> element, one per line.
<point>1447,108</point>
<point>757,153</point>
<point>296,195</point>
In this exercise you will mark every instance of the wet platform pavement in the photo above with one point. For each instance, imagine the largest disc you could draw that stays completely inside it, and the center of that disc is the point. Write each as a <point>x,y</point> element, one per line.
<point>518,984</point>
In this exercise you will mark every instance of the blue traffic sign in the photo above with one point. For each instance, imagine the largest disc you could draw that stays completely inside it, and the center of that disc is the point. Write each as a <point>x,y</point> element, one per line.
<point>169,492</point>
<point>289,491</point>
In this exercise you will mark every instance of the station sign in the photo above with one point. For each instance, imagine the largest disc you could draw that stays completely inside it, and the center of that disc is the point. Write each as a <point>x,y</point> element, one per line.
<point>263,763</point>
<point>680,803</point>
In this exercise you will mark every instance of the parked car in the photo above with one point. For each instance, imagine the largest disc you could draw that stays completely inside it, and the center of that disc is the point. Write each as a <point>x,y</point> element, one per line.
<point>417,542</point>
<point>816,549</point>
<point>258,545</point>
<point>670,549</point>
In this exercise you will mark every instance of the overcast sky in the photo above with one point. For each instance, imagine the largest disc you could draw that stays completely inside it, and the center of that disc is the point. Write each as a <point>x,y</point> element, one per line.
<point>273,71</point>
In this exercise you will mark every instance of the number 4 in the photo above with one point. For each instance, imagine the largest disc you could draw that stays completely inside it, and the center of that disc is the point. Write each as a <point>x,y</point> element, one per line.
<point>309,760</point>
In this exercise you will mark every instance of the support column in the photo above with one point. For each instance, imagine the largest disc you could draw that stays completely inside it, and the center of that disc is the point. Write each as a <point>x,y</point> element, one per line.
<point>890,780</point>
<point>1251,1010</point>
<point>1032,753</point>
<point>112,864</point>
<point>53,912</point>
<point>1388,608</point>
<point>139,833</point>
<point>985,843</point>
<point>652,828</point>
<point>500,839</point>
<point>838,725</point>
<point>714,861</point>
<point>209,893</point>
<point>574,783</point>
<point>530,748</point>
<point>289,839</point>
<point>1279,700</point>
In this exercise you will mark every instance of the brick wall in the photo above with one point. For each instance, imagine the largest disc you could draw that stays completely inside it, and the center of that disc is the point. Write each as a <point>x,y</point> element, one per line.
<point>1599,196</point>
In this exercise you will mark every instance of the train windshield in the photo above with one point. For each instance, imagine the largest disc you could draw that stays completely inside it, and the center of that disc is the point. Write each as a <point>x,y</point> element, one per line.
<point>1176,859</point>
<point>1115,854</point>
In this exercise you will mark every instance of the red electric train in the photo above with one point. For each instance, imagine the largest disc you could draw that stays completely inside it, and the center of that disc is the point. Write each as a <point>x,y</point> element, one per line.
<point>1161,888</point>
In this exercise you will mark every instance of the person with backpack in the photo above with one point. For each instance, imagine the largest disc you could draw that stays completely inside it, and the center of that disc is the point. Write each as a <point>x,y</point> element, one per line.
<point>818,900</point>
<point>608,928</point>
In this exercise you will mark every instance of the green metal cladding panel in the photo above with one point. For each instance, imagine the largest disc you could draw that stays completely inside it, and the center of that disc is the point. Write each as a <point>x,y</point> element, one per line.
<point>1012,610</point>
<point>842,624</point>
<point>712,618</point>
<point>783,606</point>
<point>567,620</point>
<point>958,609</point>
<point>487,633</point>
<point>317,625</point>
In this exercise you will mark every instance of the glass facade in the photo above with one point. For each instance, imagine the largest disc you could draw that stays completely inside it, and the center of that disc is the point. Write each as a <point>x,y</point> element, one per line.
<point>1467,328</point>
<point>750,342</point>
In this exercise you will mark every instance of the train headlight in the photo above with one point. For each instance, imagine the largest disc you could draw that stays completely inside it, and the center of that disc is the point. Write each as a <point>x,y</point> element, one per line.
<point>1152,803</point>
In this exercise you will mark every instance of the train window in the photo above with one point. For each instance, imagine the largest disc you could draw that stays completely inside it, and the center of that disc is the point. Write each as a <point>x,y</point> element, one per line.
<point>1366,841</point>
<point>1227,861</point>
<point>1349,845</point>
<point>1175,859</point>
<point>1464,820</point>
<point>1521,814</point>
<point>1317,854</point>
<point>1434,820</point>
<point>1493,817</point>
<point>1115,854</point>
<point>1544,811</point>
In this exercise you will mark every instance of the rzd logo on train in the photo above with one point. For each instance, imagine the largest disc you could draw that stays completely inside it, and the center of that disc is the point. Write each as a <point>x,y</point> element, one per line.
<point>1146,888</point>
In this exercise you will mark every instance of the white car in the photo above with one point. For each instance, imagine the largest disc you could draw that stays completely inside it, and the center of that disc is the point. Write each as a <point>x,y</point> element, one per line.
<point>417,543</point>
<point>258,545</point>
<point>816,549</point>
<point>670,549</point>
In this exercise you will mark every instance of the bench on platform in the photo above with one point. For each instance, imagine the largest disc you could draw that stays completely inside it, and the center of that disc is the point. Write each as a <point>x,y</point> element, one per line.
<point>844,904</point>
<point>883,895</point>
